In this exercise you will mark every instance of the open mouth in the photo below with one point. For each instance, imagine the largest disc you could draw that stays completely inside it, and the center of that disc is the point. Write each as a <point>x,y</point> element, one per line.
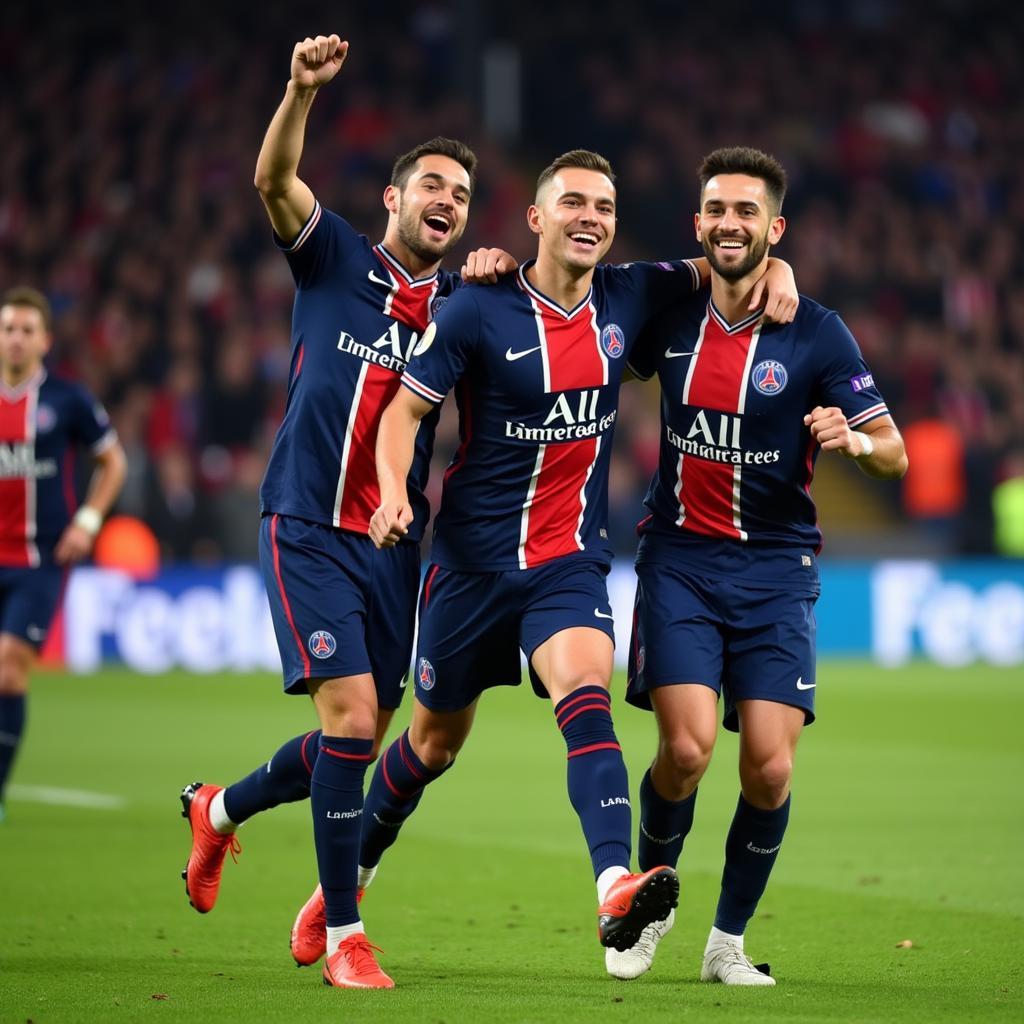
<point>730,244</point>
<point>586,239</point>
<point>438,223</point>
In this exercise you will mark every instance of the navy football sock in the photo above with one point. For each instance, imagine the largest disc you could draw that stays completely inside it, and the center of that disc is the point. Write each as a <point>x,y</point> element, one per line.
<point>12,725</point>
<point>336,793</point>
<point>598,784</point>
<point>282,780</point>
<point>750,851</point>
<point>395,791</point>
<point>664,825</point>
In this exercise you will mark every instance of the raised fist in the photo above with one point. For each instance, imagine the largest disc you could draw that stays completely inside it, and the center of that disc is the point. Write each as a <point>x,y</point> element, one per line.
<point>316,61</point>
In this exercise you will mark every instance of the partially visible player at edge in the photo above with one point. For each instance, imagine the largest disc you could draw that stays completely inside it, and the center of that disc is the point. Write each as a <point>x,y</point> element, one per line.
<point>359,312</point>
<point>520,548</point>
<point>42,419</point>
<point>727,563</point>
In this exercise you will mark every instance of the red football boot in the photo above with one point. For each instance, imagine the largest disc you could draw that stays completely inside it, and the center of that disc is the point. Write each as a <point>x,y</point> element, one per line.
<point>633,902</point>
<point>355,966</point>
<point>309,933</point>
<point>209,847</point>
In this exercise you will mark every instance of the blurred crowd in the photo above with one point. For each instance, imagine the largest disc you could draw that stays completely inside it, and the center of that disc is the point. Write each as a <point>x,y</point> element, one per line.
<point>125,193</point>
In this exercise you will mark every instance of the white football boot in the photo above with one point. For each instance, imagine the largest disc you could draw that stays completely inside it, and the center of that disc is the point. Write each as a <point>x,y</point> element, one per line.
<point>631,963</point>
<point>726,962</point>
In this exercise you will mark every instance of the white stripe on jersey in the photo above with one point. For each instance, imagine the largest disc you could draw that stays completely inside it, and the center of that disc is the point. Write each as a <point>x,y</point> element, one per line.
<point>524,523</point>
<point>542,337</point>
<point>878,409</point>
<point>693,361</point>
<point>392,292</point>
<point>307,228</point>
<point>745,381</point>
<point>421,389</point>
<point>31,526</point>
<point>737,479</point>
<point>583,490</point>
<point>353,414</point>
<point>597,343</point>
<point>741,404</point>
<point>678,492</point>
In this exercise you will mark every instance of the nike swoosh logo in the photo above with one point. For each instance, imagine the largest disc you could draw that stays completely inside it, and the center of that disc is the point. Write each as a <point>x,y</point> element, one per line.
<point>669,354</point>
<point>801,685</point>
<point>379,280</point>
<point>513,356</point>
<point>601,615</point>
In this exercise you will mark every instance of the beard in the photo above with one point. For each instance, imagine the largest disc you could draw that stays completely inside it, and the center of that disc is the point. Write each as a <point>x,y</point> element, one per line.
<point>755,253</point>
<point>409,235</point>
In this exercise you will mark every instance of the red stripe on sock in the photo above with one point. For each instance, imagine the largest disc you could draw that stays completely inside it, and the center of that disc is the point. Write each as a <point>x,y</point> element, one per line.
<point>579,711</point>
<point>346,757</point>
<point>570,701</point>
<point>387,779</point>
<point>302,752</point>
<point>593,747</point>
<point>405,760</point>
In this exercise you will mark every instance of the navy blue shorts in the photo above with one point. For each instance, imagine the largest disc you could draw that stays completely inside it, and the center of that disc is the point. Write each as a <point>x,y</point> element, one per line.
<point>473,625</point>
<point>746,643</point>
<point>340,607</point>
<point>29,600</point>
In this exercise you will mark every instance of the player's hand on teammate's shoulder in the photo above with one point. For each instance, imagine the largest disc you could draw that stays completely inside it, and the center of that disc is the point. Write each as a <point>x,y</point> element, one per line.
<point>483,266</point>
<point>315,61</point>
<point>776,290</point>
<point>390,523</point>
<point>830,429</point>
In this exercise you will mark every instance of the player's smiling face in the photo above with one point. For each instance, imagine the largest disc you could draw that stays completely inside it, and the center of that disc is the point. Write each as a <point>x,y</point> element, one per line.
<point>23,340</point>
<point>736,224</point>
<point>575,217</point>
<point>432,208</point>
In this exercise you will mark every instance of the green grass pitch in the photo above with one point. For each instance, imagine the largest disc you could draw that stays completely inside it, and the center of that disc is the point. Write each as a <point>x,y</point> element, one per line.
<point>908,824</point>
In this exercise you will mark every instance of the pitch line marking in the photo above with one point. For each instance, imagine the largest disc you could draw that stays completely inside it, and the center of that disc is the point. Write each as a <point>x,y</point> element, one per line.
<point>67,797</point>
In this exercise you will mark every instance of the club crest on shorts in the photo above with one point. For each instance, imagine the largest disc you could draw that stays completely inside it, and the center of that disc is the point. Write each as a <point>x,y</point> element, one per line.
<point>641,658</point>
<point>769,377</point>
<point>424,674</point>
<point>322,644</point>
<point>613,341</point>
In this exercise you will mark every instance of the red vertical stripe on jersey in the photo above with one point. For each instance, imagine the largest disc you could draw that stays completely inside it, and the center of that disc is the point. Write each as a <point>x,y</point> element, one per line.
<point>574,354</point>
<point>411,306</point>
<point>360,494</point>
<point>14,490</point>
<point>715,385</point>
<point>284,597</point>
<point>554,512</point>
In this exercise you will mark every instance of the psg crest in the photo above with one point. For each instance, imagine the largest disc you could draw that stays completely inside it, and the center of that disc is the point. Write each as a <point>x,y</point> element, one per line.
<point>46,419</point>
<point>322,644</point>
<point>425,674</point>
<point>436,303</point>
<point>769,377</point>
<point>613,341</point>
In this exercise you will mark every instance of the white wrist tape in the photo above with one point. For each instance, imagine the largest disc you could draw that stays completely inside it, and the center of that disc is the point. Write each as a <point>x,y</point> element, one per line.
<point>866,444</point>
<point>88,519</point>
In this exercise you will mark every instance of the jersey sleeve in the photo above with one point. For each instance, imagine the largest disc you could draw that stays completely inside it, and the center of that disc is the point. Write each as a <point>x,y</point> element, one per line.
<point>90,424</point>
<point>325,241</point>
<point>642,361</point>
<point>445,349</point>
<point>844,379</point>
<point>657,285</point>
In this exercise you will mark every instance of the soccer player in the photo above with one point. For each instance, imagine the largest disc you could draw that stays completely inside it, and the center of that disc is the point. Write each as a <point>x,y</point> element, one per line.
<point>727,563</point>
<point>343,611</point>
<point>520,549</point>
<point>42,420</point>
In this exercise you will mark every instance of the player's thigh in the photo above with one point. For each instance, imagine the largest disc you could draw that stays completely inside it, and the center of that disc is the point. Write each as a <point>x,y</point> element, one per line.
<point>346,705</point>
<point>467,638</point>
<point>318,599</point>
<point>566,629</point>
<point>770,649</point>
<point>677,635</point>
<point>687,717</point>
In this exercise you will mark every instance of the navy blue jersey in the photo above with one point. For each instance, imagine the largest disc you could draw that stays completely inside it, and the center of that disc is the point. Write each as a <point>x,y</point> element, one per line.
<point>358,314</point>
<point>736,460</point>
<point>41,422</point>
<point>537,389</point>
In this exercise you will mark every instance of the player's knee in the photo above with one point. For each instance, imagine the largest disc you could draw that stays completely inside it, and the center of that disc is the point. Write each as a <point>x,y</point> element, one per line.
<point>685,758</point>
<point>766,784</point>
<point>436,751</point>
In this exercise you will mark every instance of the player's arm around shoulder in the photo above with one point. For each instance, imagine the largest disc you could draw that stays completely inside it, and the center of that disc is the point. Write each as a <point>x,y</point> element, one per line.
<point>288,199</point>
<point>876,447</point>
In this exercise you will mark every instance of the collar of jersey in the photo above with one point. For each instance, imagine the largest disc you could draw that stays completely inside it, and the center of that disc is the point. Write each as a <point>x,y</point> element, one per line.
<point>734,328</point>
<point>28,384</point>
<point>394,264</point>
<point>550,303</point>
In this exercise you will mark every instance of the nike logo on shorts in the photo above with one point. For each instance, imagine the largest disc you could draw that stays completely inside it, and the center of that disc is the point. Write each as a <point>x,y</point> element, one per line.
<point>669,354</point>
<point>602,615</point>
<point>513,356</point>
<point>801,685</point>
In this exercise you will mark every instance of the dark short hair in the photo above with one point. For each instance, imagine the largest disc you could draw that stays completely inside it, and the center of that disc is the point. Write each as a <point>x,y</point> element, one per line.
<point>745,160</point>
<point>32,298</point>
<point>438,146</point>
<point>582,158</point>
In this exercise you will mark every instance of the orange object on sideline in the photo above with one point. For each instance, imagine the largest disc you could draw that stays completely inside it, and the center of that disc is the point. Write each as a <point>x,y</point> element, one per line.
<point>935,485</point>
<point>128,544</point>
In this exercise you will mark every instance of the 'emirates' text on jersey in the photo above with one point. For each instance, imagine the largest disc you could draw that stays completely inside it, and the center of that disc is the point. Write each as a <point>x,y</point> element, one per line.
<point>358,314</point>
<point>736,460</point>
<point>537,389</point>
<point>41,421</point>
